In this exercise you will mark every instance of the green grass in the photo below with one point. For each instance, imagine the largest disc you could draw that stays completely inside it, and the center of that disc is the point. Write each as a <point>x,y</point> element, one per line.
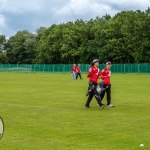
<point>43,111</point>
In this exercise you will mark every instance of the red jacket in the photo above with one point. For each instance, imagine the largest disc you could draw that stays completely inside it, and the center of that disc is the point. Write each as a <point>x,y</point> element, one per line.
<point>73,68</point>
<point>78,69</point>
<point>93,74</point>
<point>105,76</point>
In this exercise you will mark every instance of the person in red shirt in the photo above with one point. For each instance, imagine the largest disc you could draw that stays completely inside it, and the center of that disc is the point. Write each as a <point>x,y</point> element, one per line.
<point>93,75</point>
<point>74,72</point>
<point>78,72</point>
<point>105,76</point>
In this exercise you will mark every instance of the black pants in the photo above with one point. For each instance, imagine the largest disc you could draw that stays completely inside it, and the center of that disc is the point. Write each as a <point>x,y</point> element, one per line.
<point>78,74</point>
<point>108,92</point>
<point>93,92</point>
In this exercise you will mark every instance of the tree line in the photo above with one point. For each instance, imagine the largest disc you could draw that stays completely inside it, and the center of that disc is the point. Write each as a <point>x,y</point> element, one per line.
<point>123,38</point>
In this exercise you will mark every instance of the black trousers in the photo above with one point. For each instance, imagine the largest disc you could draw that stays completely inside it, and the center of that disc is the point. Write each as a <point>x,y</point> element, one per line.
<point>78,74</point>
<point>108,93</point>
<point>93,92</point>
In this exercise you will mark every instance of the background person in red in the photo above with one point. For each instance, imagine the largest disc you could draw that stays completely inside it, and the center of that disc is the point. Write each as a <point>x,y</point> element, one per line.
<point>78,72</point>
<point>105,76</point>
<point>93,75</point>
<point>74,72</point>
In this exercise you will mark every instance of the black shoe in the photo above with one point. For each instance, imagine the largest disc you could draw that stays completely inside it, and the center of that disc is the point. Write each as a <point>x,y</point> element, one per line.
<point>102,106</point>
<point>87,94</point>
<point>86,106</point>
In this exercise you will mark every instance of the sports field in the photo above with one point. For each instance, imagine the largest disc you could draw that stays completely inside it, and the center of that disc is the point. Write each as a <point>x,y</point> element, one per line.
<point>44,111</point>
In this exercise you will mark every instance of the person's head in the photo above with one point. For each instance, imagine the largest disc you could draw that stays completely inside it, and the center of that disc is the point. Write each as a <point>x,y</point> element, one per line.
<point>108,65</point>
<point>95,62</point>
<point>74,64</point>
<point>78,64</point>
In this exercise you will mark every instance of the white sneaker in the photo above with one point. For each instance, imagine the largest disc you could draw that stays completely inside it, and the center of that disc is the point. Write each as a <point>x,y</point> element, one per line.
<point>110,106</point>
<point>102,106</point>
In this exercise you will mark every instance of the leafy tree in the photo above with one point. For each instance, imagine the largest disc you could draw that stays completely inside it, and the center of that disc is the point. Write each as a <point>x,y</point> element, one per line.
<point>3,57</point>
<point>2,43</point>
<point>20,48</point>
<point>124,38</point>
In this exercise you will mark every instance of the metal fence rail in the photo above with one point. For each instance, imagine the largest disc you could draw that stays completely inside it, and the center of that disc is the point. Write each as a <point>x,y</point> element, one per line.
<point>116,68</point>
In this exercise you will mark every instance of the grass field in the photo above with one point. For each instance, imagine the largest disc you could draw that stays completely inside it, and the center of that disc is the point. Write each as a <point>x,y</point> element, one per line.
<point>44,111</point>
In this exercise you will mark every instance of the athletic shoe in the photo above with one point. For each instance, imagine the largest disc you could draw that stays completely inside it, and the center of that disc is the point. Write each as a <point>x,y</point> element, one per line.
<point>86,106</point>
<point>102,106</point>
<point>110,106</point>
<point>87,94</point>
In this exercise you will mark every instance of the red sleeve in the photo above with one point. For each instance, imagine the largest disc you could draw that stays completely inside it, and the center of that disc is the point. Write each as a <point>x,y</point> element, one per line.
<point>101,74</point>
<point>79,69</point>
<point>89,72</point>
<point>73,69</point>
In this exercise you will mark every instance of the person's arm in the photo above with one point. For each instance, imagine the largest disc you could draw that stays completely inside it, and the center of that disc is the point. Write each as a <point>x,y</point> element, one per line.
<point>99,77</point>
<point>102,74</point>
<point>107,75</point>
<point>89,73</point>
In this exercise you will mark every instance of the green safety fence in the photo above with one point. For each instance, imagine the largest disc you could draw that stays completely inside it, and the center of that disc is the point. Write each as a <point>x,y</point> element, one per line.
<point>116,68</point>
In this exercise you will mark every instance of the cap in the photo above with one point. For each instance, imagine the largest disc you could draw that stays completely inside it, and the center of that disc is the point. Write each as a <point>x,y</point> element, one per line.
<point>108,63</point>
<point>95,61</point>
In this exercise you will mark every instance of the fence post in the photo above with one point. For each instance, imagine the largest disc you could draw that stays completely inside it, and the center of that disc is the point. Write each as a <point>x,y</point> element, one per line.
<point>138,68</point>
<point>44,68</point>
<point>63,67</point>
<point>124,68</point>
<point>53,67</point>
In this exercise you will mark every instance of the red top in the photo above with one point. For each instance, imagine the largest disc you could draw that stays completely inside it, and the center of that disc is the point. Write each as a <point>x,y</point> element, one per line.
<point>73,68</point>
<point>78,69</point>
<point>93,74</point>
<point>105,76</point>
